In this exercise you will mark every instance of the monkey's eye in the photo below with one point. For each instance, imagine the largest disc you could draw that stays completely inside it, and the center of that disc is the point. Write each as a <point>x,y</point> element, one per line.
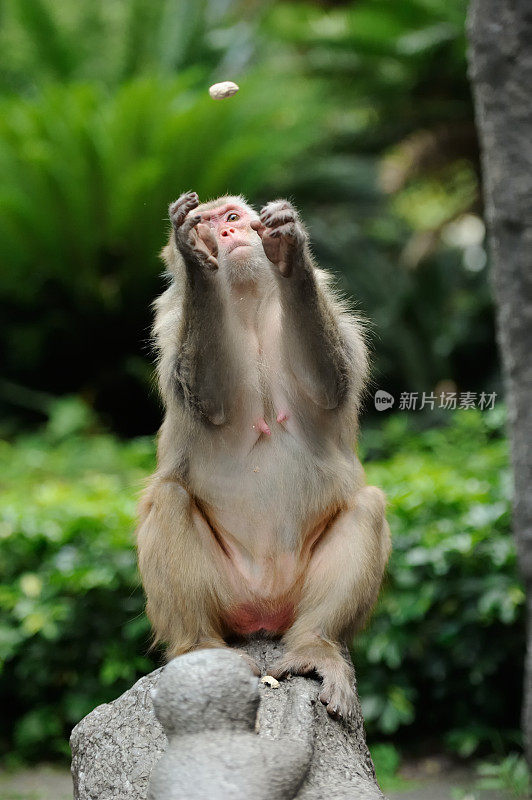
<point>232,217</point>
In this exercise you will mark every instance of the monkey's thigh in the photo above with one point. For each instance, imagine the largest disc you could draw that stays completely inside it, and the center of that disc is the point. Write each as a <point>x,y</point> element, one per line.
<point>178,566</point>
<point>346,569</point>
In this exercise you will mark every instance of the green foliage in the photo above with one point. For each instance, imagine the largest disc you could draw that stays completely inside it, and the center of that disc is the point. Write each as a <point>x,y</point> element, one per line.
<point>401,170</point>
<point>361,113</point>
<point>44,41</point>
<point>441,656</point>
<point>87,177</point>
<point>445,647</point>
<point>72,629</point>
<point>509,775</point>
<point>90,175</point>
<point>387,760</point>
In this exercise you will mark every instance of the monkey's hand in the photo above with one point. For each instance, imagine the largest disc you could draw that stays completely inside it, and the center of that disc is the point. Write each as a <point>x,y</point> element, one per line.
<point>193,239</point>
<point>283,235</point>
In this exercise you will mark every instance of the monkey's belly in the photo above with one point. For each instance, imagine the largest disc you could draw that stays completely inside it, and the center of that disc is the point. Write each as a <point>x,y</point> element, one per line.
<point>253,617</point>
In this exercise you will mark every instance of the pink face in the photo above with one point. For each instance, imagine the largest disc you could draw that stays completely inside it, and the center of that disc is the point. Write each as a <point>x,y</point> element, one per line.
<point>230,224</point>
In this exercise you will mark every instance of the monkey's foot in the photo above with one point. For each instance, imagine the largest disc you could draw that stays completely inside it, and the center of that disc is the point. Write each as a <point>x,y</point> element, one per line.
<point>337,692</point>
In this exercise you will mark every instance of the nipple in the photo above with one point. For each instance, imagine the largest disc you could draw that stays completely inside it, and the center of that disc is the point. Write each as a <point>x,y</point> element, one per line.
<point>261,426</point>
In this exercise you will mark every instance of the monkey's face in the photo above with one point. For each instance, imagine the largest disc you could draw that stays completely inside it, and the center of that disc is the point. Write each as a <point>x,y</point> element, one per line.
<point>239,247</point>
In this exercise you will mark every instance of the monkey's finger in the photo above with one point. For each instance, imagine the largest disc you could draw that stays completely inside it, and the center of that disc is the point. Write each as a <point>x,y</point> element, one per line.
<point>277,205</point>
<point>287,232</point>
<point>179,209</point>
<point>207,237</point>
<point>188,224</point>
<point>276,218</point>
<point>188,199</point>
<point>257,225</point>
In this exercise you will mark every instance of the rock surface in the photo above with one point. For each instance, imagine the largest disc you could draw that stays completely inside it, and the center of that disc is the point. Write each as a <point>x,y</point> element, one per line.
<point>229,736</point>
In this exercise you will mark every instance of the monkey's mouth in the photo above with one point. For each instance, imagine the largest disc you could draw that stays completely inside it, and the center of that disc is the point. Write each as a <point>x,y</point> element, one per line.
<point>236,244</point>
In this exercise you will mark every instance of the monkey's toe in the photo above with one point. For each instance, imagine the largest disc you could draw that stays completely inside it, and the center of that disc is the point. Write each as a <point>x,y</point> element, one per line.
<point>291,664</point>
<point>279,669</point>
<point>336,692</point>
<point>339,698</point>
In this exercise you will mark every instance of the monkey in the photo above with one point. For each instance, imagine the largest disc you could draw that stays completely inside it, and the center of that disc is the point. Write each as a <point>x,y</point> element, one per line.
<point>258,517</point>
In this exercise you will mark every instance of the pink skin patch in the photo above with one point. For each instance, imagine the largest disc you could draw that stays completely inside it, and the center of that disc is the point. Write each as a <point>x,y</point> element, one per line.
<point>230,225</point>
<point>261,426</point>
<point>251,617</point>
<point>282,416</point>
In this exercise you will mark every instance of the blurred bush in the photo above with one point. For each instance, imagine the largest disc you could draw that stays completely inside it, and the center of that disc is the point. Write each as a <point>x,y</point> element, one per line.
<point>443,654</point>
<point>113,41</point>
<point>360,112</point>
<point>441,658</point>
<point>394,202</point>
<point>87,181</point>
<point>72,629</point>
<point>105,118</point>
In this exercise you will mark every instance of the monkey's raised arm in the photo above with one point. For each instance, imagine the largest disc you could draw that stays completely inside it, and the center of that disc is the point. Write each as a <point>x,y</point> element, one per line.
<point>323,346</point>
<point>203,371</point>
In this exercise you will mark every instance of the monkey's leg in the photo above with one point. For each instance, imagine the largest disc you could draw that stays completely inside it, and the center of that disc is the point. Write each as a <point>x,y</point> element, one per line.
<point>177,561</point>
<point>178,576</point>
<point>342,583</point>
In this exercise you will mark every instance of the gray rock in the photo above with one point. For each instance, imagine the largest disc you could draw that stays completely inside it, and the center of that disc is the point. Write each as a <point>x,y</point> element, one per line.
<point>116,746</point>
<point>223,735</point>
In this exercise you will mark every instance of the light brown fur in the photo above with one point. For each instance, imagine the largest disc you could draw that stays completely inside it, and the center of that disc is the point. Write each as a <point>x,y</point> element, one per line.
<point>238,525</point>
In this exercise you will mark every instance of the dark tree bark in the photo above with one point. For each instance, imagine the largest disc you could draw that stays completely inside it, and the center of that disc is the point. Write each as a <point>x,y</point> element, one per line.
<point>500,58</point>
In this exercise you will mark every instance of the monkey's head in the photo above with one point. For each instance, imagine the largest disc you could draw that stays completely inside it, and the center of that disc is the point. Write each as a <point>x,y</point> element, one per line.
<point>239,247</point>
<point>226,229</point>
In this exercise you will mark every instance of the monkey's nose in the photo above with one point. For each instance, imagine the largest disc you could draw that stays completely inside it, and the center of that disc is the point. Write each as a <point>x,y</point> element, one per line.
<point>227,231</point>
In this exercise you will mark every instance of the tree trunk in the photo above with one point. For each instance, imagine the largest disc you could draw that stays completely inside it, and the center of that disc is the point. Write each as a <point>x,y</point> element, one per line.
<point>500,58</point>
